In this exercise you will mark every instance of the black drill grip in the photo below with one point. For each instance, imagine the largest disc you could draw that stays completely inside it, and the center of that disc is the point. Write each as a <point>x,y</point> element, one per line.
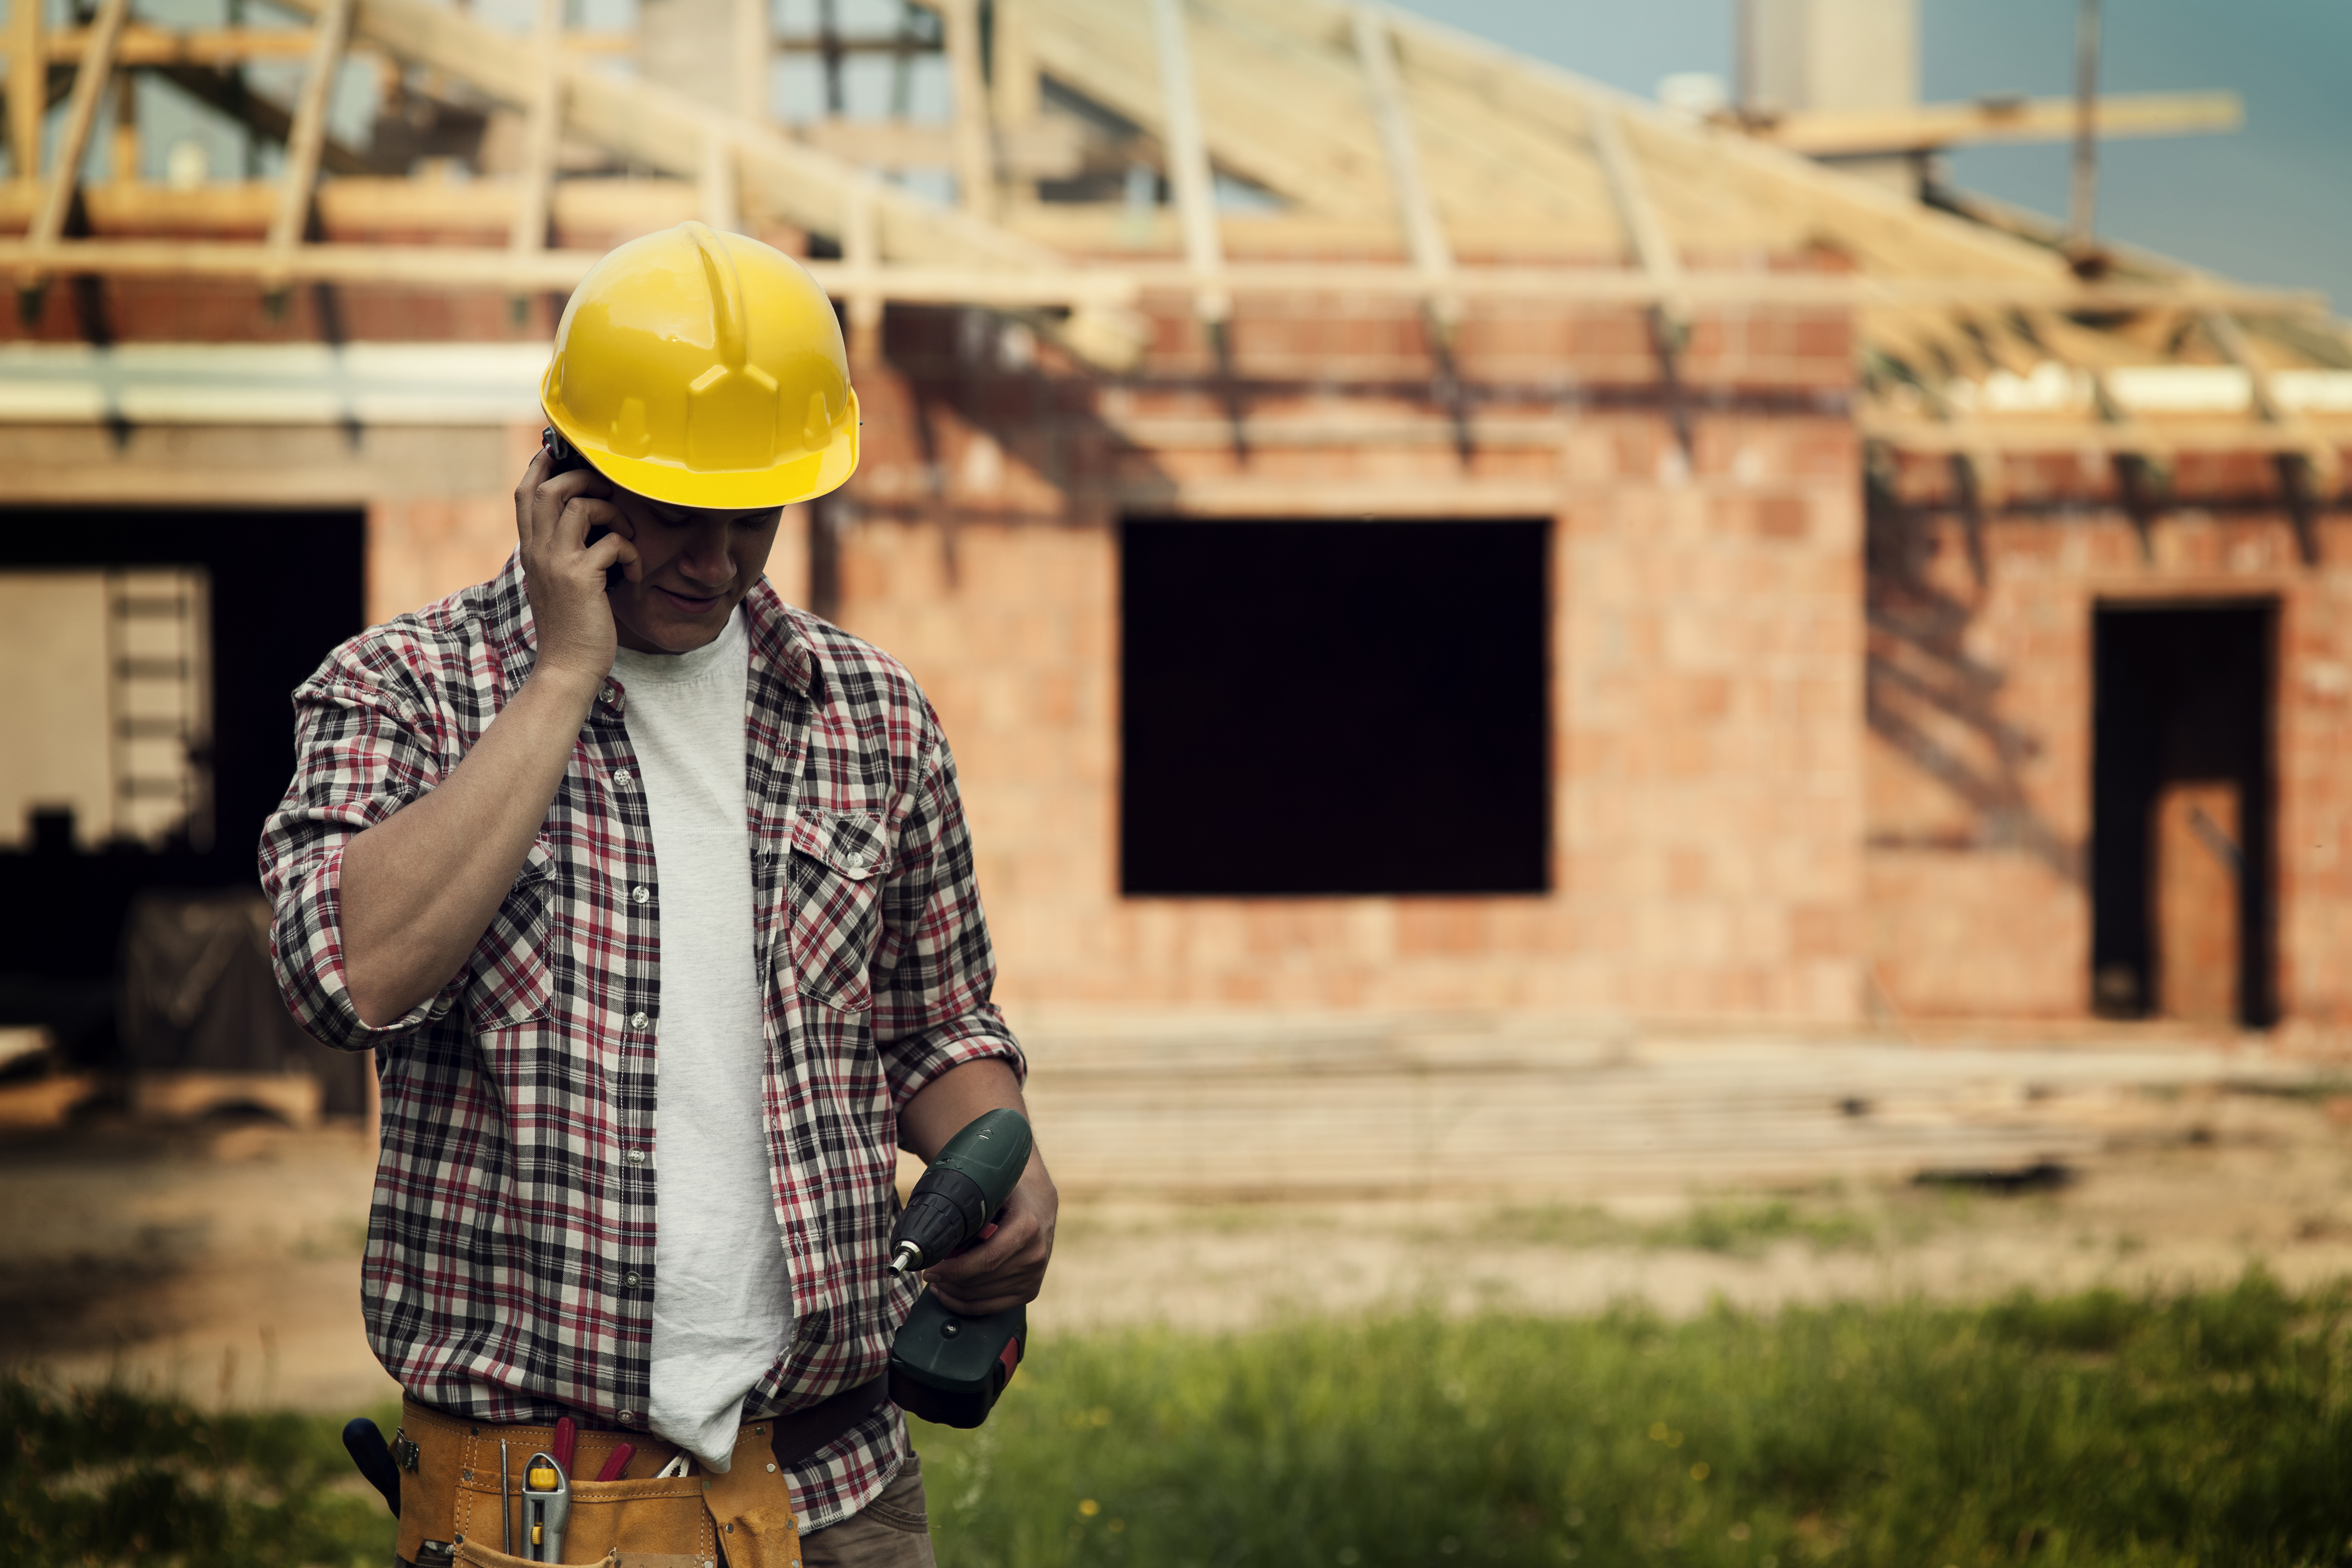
<point>363,1440</point>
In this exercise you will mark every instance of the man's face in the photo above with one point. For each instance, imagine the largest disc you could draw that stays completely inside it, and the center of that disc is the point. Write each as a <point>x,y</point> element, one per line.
<point>694,568</point>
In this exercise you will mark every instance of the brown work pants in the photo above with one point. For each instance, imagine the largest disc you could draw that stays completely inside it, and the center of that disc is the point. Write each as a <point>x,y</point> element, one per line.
<point>891,1532</point>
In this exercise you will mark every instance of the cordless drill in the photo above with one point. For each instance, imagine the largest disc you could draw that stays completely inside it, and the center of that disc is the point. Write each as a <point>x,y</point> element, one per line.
<point>944,1366</point>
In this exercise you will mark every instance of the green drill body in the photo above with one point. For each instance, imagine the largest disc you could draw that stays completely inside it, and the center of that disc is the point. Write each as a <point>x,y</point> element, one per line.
<point>944,1366</point>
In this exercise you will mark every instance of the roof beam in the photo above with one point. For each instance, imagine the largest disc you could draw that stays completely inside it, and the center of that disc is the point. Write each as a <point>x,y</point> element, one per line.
<point>975,154</point>
<point>1931,127</point>
<point>309,135</point>
<point>969,283</point>
<point>1653,249</point>
<point>1911,433</point>
<point>1188,165</point>
<point>542,126</point>
<point>1431,253</point>
<point>81,113</point>
<point>27,87</point>
<point>1014,81</point>
<point>143,44</point>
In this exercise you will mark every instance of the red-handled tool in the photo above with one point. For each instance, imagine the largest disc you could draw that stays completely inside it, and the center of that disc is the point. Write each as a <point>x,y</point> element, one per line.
<point>617,1461</point>
<point>567,1441</point>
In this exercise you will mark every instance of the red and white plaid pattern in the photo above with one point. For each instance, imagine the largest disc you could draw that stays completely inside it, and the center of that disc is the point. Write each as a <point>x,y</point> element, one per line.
<point>509,1268</point>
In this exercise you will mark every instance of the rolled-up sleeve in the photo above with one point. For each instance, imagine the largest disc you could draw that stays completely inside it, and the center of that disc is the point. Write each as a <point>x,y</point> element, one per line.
<point>931,1006</point>
<point>363,748</point>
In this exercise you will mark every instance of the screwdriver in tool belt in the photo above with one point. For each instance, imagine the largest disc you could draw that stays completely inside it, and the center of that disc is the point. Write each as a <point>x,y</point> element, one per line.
<point>546,1506</point>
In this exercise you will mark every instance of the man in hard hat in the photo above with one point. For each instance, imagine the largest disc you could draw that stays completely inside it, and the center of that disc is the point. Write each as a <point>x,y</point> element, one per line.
<point>653,896</point>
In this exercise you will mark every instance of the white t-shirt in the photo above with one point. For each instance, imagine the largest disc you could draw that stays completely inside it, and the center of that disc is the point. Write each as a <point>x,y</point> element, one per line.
<point>722,1301</point>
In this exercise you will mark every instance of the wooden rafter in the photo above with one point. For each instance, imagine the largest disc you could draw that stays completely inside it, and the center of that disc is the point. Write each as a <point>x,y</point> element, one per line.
<point>542,127</point>
<point>1424,235</point>
<point>975,157</point>
<point>1930,127</point>
<point>1188,164</point>
<point>753,51</point>
<point>1012,84</point>
<point>309,135</point>
<point>145,45</point>
<point>2023,437</point>
<point>1292,139</point>
<point>1653,249</point>
<point>28,87</point>
<point>81,113</point>
<point>1062,283</point>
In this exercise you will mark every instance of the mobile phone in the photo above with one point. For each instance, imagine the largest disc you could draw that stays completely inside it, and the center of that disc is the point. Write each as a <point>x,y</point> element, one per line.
<point>562,457</point>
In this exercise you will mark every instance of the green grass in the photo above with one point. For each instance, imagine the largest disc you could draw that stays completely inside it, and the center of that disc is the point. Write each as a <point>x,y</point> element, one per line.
<point>2097,1428</point>
<point>105,1476</point>
<point>1736,1226</point>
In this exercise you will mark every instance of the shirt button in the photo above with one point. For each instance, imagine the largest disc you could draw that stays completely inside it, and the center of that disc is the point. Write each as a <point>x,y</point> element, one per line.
<point>628,1279</point>
<point>628,1415</point>
<point>621,777</point>
<point>635,1156</point>
<point>641,895</point>
<point>638,1020</point>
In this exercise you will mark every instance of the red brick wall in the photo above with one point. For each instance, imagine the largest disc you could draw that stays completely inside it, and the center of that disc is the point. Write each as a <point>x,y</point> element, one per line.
<point>1707,640</point>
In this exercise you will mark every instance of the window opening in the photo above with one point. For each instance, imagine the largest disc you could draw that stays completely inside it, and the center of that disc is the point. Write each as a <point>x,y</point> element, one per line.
<point>1335,708</point>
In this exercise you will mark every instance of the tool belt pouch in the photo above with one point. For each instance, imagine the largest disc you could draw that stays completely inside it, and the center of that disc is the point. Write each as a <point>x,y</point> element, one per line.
<point>651,1523</point>
<point>449,1501</point>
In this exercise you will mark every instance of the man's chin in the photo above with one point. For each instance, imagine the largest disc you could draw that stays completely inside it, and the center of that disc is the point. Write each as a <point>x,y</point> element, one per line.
<point>667,624</point>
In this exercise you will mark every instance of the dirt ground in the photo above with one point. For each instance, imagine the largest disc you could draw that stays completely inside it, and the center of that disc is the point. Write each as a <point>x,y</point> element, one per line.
<point>221,1263</point>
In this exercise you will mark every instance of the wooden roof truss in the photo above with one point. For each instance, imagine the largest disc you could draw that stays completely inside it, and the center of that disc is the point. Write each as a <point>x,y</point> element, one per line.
<point>1362,120</point>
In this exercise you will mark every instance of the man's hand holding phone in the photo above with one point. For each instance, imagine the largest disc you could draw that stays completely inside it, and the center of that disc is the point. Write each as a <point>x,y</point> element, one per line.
<point>572,536</point>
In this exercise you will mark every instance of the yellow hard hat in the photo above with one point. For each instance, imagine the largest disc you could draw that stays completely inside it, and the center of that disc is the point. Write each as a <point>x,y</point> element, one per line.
<point>705,369</point>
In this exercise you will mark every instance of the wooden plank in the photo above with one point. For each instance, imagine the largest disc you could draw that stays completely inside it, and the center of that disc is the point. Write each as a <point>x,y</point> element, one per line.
<point>663,130</point>
<point>498,267</point>
<point>1188,164</point>
<point>1260,120</point>
<point>28,94</point>
<point>753,52</point>
<point>146,45</point>
<point>309,131</point>
<point>541,127</point>
<point>719,187</point>
<point>1424,235</point>
<point>975,153</point>
<point>1653,249</point>
<point>1012,80</point>
<point>1930,127</point>
<point>2022,436</point>
<point>81,114</point>
<point>461,266</point>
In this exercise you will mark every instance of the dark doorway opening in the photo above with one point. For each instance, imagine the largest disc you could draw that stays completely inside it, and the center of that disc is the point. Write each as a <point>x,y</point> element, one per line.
<point>284,587</point>
<point>2181,836</point>
<point>1335,708</point>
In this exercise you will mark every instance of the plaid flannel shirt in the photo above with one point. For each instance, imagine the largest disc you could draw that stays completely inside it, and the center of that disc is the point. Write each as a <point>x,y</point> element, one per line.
<point>509,1264</point>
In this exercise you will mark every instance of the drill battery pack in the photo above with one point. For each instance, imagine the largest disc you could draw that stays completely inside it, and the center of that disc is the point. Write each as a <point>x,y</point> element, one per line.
<point>949,1369</point>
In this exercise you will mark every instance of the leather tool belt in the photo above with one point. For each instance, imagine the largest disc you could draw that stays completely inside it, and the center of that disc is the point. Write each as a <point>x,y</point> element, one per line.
<point>451,1513</point>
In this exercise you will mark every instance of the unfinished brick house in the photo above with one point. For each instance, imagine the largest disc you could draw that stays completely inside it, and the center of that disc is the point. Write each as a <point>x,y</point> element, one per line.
<point>1387,524</point>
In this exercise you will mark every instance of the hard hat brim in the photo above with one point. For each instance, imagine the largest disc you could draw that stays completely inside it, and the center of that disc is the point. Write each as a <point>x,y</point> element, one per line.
<point>799,479</point>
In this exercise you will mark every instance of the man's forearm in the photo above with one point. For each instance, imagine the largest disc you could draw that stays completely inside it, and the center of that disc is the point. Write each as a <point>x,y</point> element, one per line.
<point>421,887</point>
<point>1009,1267</point>
<point>945,1106</point>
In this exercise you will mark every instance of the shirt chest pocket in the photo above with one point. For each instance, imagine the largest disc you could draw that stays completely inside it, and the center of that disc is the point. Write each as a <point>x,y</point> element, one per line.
<point>832,887</point>
<point>512,982</point>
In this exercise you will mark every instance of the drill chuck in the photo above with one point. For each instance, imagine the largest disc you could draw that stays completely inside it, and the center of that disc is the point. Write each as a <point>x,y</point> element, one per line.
<point>946,1209</point>
<point>962,1190</point>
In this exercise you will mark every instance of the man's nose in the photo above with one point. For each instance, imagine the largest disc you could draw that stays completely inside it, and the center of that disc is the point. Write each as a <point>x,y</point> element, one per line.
<point>705,560</point>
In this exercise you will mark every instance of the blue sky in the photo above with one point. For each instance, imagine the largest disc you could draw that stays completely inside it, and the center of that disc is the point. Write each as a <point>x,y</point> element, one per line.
<point>2272,204</point>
